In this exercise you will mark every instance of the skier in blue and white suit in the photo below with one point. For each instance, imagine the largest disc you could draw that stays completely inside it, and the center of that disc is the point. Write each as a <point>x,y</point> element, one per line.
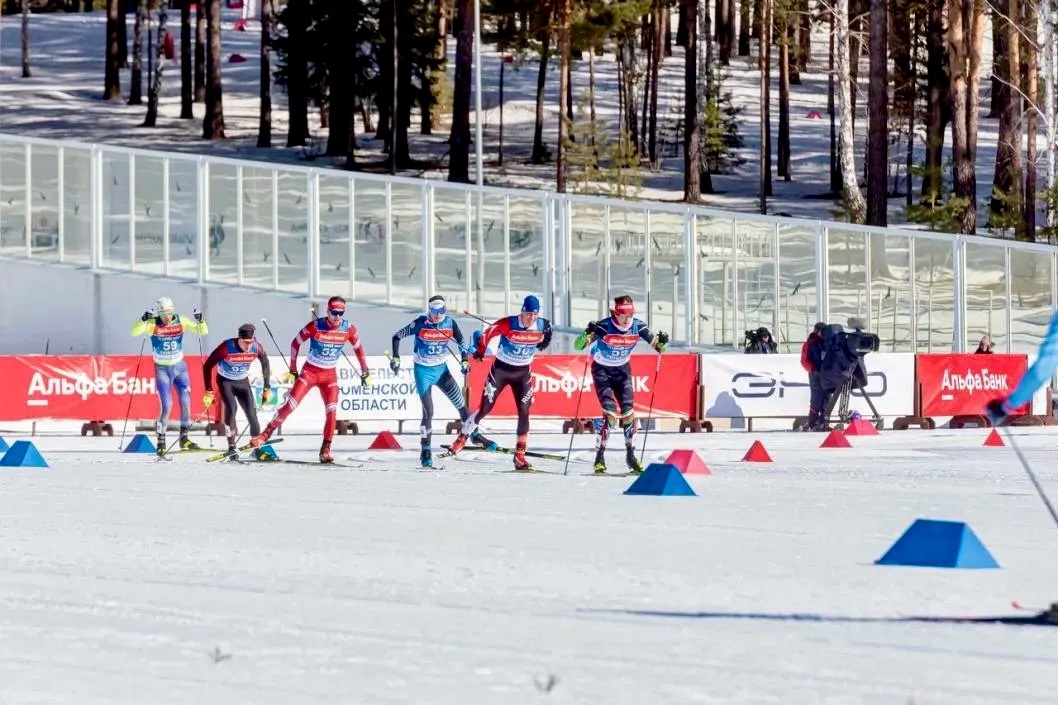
<point>1034,378</point>
<point>432,332</point>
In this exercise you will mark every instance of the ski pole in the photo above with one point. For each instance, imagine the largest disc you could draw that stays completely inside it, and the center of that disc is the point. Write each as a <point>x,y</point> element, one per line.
<point>128,412</point>
<point>650,409</point>
<point>576,413</point>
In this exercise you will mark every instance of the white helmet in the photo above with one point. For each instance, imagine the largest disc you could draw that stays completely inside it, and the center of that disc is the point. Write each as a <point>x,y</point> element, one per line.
<point>164,305</point>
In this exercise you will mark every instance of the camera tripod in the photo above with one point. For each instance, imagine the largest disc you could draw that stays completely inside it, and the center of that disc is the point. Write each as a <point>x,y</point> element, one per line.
<point>840,399</point>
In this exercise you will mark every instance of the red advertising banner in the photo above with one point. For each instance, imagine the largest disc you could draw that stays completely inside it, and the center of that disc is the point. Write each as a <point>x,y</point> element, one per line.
<point>558,381</point>
<point>87,387</point>
<point>962,384</point>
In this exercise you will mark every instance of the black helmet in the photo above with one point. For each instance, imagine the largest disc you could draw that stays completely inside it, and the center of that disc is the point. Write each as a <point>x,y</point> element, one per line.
<point>246,331</point>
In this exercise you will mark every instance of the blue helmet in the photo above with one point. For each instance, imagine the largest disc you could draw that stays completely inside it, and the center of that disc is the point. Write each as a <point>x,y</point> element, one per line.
<point>531,304</point>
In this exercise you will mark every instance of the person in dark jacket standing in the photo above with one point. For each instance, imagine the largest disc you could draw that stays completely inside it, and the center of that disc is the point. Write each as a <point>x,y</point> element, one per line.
<point>811,360</point>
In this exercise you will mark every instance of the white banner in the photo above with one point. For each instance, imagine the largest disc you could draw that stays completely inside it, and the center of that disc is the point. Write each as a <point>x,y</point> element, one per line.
<point>391,397</point>
<point>755,386</point>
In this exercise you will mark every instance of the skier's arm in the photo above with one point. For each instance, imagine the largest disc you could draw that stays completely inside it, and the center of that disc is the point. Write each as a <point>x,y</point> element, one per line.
<point>141,327</point>
<point>212,361</point>
<point>354,340</point>
<point>1040,372</point>
<point>295,344</point>
<point>548,332</point>
<point>401,335</point>
<point>266,368</point>
<point>498,328</point>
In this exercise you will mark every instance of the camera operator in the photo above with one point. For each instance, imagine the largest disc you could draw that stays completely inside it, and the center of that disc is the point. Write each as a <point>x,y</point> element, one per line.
<point>812,362</point>
<point>759,342</point>
<point>843,368</point>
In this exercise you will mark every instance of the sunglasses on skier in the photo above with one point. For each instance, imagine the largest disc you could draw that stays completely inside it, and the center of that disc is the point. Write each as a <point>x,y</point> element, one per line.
<point>336,314</point>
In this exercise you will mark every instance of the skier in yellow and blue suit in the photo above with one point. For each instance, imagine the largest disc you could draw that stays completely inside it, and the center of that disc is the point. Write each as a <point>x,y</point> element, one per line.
<point>166,330</point>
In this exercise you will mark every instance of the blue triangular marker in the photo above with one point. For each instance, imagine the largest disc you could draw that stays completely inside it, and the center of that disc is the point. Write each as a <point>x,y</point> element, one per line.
<point>661,479</point>
<point>932,543</point>
<point>140,443</point>
<point>3,444</point>
<point>23,455</point>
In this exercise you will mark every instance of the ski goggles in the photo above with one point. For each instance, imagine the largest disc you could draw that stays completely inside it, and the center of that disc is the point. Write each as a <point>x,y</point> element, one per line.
<point>337,313</point>
<point>437,308</point>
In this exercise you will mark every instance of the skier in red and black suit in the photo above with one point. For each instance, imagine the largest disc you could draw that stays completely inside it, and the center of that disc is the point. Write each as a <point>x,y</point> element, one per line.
<point>520,337</point>
<point>811,360</point>
<point>232,360</point>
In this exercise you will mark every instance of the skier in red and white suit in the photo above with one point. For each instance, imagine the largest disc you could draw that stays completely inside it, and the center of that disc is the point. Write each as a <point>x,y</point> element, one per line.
<point>326,337</point>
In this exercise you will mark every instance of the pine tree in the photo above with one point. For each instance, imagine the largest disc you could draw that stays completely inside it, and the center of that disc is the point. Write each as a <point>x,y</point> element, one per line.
<point>720,135</point>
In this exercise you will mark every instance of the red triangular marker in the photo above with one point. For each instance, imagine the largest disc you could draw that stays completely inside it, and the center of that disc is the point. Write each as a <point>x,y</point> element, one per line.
<point>994,439</point>
<point>687,462</point>
<point>835,439</point>
<point>385,441</point>
<point>861,427</point>
<point>757,453</point>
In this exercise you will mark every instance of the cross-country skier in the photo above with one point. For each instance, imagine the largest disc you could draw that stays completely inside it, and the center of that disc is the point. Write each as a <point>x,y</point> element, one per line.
<point>232,360</point>
<point>430,354</point>
<point>166,329</point>
<point>520,337</point>
<point>1035,377</point>
<point>326,337</point>
<point>611,372</point>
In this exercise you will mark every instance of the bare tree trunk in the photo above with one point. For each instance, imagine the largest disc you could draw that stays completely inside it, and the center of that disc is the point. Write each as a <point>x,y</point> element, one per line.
<point>297,22</point>
<point>1050,82</point>
<point>25,39</point>
<point>657,40</point>
<point>743,27</point>
<point>856,207</point>
<point>264,110</point>
<point>459,140</point>
<point>764,29</point>
<point>832,111</point>
<point>112,72</point>
<point>1031,51</point>
<point>539,155</point>
<point>725,31</point>
<point>1006,180</point>
<point>783,163</point>
<point>705,89</point>
<point>878,117</point>
<point>692,183</point>
<point>200,51</point>
<point>937,102</point>
<point>564,48</point>
<point>187,96</point>
<point>429,112</point>
<point>155,86</point>
<point>136,79</point>
<point>213,122</point>
<point>1000,91</point>
<point>965,38</point>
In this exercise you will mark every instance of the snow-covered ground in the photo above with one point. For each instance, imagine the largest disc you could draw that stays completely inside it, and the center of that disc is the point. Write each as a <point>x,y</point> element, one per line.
<point>129,581</point>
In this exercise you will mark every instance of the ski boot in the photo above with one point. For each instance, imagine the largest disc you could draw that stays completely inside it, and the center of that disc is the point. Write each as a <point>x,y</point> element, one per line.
<point>600,461</point>
<point>458,444</point>
<point>325,453</point>
<point>186,443</point>
<point>426,458</point>
<point>264,454</point>
<point>485,443</point>
<point>232,453</point>
<point>160,450</point>
<point>520,463</point>
<point>634,466</point>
